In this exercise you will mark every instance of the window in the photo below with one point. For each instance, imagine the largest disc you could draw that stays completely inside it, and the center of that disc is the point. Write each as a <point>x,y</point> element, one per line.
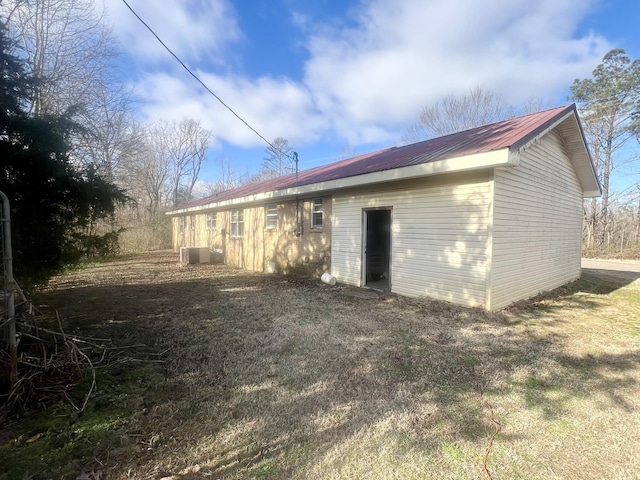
<point>192,221</point>
<point>181,223</point>
<point>316,213</point>
<point>211,221</point>
<point>271,217</point>
<point>237,223</point>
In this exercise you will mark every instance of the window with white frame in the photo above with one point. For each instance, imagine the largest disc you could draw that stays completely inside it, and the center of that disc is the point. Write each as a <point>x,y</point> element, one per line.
<point>271,217</point>
<point>211,221</point>
<point>182,221</point>
<point>237,223</point>
<point>192,221</point>
<point>316,213</point>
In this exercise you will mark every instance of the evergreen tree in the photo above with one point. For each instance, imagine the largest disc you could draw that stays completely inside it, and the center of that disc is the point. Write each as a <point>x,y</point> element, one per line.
<point>54,204</point>
<point>609,102</point>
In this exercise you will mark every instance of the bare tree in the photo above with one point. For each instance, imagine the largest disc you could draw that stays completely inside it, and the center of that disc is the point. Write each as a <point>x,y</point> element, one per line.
<point>66,44</point>
<point>182,146</point>
<point>228,178</point>
<point>347,152</point>
<point>622,237</point>
<point>144,172</point>
<point>278,161</point>
<point>105,134</point>
<point>204,189</point>
<point>534,104</point>
<point>159,165</point>
<point>454,114</point>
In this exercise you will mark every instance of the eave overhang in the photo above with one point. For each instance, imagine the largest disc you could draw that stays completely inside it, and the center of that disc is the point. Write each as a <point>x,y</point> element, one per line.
<point>478,161</point>
<point>488,147</point>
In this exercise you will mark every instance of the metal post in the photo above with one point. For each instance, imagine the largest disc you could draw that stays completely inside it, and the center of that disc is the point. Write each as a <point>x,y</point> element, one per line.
<point>9,286</point>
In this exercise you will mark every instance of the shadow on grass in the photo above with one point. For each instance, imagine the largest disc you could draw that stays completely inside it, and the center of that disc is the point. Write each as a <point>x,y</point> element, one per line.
<point>580,294</point>
<point>607,281</point>
<point>604,375</point>
<point>302,371</point>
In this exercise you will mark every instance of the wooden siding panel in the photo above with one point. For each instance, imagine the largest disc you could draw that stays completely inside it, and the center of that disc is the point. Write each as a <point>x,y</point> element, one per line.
<point>537,224</point>
<point>260,249</point>
<point>200,235</point>
<point>307,253</point>
<point>439,236</point>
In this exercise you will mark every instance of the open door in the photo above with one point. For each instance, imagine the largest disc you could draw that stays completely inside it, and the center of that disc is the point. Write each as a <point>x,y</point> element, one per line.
<point>377,248</point>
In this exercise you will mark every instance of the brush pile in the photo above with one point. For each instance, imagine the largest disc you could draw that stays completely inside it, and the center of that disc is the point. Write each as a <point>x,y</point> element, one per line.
<point>50,364</point>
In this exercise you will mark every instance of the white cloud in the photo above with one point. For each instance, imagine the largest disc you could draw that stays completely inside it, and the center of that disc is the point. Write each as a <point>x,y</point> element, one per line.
<point>274,107</point>
<point>366,82</point>
<point>406,54</point>
<point>195,30</point>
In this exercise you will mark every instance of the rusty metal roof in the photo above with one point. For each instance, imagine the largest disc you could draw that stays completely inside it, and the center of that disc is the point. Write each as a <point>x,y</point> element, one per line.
<point>511,133</point>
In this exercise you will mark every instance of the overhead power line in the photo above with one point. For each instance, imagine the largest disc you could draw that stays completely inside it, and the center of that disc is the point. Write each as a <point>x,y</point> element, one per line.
<point>202,83</point>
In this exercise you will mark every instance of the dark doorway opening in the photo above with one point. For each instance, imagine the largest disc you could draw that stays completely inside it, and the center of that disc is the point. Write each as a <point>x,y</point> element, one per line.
<point>377,253</point>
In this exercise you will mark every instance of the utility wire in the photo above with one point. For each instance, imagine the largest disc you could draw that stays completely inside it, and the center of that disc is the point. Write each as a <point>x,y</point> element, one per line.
<point>203,84</point>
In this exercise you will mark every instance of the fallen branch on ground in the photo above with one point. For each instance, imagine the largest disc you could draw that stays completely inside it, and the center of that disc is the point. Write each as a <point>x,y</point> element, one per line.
<point>52,362</point>
<point>497,427</point>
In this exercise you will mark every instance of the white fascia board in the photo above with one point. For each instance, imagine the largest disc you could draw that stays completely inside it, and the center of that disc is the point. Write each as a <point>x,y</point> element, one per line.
<point>583,165</point>
<point>592,194</point>
<point>533,140</point>
<point>476,161</point>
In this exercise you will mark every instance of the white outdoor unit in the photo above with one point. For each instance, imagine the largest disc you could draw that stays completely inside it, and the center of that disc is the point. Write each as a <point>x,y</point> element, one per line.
<point>189,255</point>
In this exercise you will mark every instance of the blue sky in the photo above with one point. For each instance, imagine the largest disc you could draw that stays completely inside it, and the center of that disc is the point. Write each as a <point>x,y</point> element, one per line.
<point>336,76</point>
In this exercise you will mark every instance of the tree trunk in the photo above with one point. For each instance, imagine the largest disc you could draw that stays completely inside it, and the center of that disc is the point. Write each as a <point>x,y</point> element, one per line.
<point>637,233</point>
<point>604,210</point>
<point>592,222</point>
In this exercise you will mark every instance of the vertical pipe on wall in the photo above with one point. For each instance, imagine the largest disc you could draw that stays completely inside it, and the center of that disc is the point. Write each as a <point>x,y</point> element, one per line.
<point>298,221</point>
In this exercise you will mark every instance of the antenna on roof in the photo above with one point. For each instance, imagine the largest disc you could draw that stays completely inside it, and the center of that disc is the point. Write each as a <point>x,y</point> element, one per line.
<point>295,159</point>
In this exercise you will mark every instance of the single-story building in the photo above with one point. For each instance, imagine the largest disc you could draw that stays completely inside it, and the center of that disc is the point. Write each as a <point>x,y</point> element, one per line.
<point>483,217</point>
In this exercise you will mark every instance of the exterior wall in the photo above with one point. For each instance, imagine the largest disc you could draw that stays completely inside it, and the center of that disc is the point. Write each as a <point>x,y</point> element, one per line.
<point>195,232</point>
<point>537,224</point>
<point>306,254</point>
<point>438,236</point>
<point>246,251</point>
<point>262,249</point>
<point>485,238</point>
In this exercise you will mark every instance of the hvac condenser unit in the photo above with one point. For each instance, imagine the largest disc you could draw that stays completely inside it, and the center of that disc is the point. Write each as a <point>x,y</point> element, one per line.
<point>190,255</point>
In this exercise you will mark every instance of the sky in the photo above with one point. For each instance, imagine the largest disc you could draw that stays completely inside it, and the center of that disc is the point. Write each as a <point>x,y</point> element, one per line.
<point>343,77</point>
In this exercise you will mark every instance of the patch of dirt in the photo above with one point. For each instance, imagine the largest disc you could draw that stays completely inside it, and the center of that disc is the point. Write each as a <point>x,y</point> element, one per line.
<point>360,293</point>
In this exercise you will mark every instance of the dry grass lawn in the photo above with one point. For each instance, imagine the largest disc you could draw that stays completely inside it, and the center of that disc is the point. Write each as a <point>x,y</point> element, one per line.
<point>272,377</point>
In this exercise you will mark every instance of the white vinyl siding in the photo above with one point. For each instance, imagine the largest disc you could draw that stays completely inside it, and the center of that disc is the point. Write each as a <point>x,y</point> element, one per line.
<point>439,236</point>
<point>537,224</point>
